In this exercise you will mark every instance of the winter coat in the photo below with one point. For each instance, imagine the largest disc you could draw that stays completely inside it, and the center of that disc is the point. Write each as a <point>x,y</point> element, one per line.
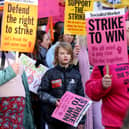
<point>54,84</point>
<point>115,99</point>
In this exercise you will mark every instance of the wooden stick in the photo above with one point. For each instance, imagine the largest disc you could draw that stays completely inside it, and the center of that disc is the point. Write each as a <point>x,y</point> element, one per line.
<point>75,60</point>
<point>17,54</point>
<point>107,69</point>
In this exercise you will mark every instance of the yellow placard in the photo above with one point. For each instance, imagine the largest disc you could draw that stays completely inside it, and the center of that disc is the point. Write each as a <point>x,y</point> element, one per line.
<point>75,16</point>
<point>19,27</point>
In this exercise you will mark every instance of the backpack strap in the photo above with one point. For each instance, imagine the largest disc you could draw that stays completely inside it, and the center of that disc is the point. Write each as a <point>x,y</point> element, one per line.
<point>101,70</point>
<point>2,60</point>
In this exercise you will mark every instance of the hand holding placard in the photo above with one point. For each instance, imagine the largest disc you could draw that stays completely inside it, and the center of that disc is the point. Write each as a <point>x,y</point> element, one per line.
<point>71,109</point>
<point>106,80</point>
<point>76,51</point>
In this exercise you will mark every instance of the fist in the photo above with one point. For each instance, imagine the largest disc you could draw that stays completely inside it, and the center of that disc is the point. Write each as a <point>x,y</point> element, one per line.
<point>106,81</point>
<point>76,50</point>
<point>81,126</point>
<point>58,102</point>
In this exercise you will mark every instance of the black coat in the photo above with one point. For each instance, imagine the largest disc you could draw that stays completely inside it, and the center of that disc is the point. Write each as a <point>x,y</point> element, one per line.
<point>54,84</point>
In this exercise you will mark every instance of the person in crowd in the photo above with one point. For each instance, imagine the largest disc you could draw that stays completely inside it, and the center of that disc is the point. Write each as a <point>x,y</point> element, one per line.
<point>58,28</point>
<point>126,122</point>
<point>84,66</point>
<point>113,90</point>
<point>93,120</point>
<point>56,81</point>
<point>39,54</point>
<point>15,107</point>
<point>66,38</point>
<point>41,47</point>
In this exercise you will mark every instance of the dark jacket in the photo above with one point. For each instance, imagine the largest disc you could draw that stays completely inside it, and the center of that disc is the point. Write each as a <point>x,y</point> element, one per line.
<point>54,84</point>
<point>41,57</point>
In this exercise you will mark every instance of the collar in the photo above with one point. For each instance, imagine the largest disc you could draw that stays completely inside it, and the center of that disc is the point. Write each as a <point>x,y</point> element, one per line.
<point>63,69</point>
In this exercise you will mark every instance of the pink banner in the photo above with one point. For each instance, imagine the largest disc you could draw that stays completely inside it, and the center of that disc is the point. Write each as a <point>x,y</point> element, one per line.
<point>106,37</point>
<point>48,8</point>
<point>71,109</point>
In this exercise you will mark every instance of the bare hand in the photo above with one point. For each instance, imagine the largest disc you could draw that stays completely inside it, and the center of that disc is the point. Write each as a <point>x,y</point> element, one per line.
<point>76,50</point>
<point>81,126</point>
<point>106,81</point>
<point>15,67</point>
<point>58,102</point>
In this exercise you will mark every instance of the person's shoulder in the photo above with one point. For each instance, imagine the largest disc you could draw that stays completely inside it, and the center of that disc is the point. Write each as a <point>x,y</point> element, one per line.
<point>51,49</point>
<point>75,70</point>
<point>51,70</point>
<point>53,46</point>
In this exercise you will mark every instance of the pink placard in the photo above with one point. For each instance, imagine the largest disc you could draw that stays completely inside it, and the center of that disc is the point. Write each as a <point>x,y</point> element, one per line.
<point>71,109</point>
<point>61,14</point>
<point>106,37</point>
<point>48,8</point>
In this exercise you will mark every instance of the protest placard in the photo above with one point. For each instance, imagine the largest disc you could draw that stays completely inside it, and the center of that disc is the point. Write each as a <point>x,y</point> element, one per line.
<point>19,25</point>
<point>71,109</point>
<point>61,14</point>
<point>115,3</point>
<point>106,37</point>
<point>47,8</point>
<point>34,74</point>
<point>75,16</point>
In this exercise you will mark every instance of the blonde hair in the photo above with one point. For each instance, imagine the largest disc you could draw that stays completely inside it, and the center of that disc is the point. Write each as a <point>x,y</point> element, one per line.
<point>65,46</point>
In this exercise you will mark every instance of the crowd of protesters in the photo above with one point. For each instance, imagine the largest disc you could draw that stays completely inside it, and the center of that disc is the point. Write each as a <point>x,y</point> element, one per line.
<point>68,70</point>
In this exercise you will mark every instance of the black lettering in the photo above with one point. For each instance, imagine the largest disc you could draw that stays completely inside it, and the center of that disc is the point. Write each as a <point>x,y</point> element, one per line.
<point>26,30</point>
<point>78,109</point>
<point>75,16</point>
<point>77,99</point>
<point>97,23</point>
<point>109,23</point>
<point>70,109</point>
<point>66,117</point>
<point>114,23</point>
<point>74,102</point>
<point>98,37</point>
<point>92,28</point>
<point>121,35</point>
<point>116,35</point>
<point>120,22</point>
<point>18,9</point>
<point>109,36</point>
<point>104,24</point>
<point>92,36</point>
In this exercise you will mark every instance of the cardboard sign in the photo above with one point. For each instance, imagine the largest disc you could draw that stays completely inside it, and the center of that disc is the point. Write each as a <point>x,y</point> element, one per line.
<point>75,16</point>
<point>48,8</point>
<point>34,74</point>
<point>19,25</point>
<point>106,37</point>
<point>71,109</point>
